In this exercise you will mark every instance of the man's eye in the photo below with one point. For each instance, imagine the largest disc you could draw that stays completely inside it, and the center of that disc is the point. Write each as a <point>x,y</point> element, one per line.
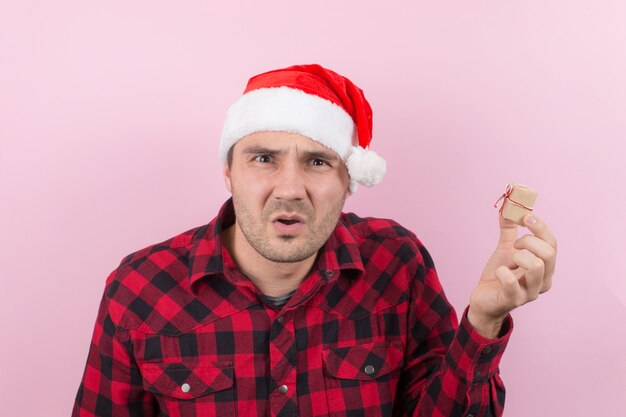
<point>262,158</point>
<point>318,162</point>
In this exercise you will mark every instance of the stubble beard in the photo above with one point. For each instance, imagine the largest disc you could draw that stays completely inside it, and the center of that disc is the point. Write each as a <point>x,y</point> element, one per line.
<point>289,250</point>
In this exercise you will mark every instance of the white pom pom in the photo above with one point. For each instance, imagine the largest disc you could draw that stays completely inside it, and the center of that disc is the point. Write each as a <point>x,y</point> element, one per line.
<point>366,167</point>
<point>353,186</point>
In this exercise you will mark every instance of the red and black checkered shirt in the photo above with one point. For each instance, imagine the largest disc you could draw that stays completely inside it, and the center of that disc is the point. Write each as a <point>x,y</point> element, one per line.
<point>369,332</point>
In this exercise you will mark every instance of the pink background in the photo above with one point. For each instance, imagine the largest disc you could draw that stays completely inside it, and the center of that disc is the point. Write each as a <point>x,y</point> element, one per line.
<point>110,114</point>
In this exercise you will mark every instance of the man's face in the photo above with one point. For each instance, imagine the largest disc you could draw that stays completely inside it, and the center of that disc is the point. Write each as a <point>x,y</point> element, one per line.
<point>288,193</point>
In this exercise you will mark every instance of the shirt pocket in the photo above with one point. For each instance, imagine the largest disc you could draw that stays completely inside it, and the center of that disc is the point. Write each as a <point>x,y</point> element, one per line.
<point>191,388</point>
<point>362,378</point>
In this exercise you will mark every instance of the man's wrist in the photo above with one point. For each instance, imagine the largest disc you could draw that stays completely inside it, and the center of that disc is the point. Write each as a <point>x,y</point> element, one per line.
<point>488,327</point>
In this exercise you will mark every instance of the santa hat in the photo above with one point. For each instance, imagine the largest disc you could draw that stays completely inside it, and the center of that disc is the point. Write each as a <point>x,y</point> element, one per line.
<point>314,102</point>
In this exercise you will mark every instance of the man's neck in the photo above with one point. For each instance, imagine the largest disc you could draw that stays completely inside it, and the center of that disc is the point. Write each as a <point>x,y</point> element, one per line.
<point>271,278</point>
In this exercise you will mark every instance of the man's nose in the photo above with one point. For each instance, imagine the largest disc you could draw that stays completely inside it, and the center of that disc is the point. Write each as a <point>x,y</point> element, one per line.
<point>290,182</point>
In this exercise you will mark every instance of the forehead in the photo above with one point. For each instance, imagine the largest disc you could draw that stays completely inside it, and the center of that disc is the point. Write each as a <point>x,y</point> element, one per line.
<point>279,140</point>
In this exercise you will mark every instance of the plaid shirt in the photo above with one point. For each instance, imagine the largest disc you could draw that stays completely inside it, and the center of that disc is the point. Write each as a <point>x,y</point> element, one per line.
<point>369,332</point>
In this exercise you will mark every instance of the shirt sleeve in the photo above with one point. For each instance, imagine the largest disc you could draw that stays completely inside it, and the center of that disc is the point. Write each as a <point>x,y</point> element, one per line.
<point>450,369</point>
<point>111,383</point>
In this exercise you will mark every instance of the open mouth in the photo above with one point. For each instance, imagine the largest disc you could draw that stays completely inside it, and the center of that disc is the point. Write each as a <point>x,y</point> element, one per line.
<point>288,218</point>
<point>288,221</point>
<point>288,224</point>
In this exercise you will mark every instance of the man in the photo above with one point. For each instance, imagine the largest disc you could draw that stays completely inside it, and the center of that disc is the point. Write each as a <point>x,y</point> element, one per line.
<point>283,305</point>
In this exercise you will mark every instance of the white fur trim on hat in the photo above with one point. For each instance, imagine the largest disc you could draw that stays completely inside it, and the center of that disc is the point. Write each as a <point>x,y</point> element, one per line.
<point>292,110</point>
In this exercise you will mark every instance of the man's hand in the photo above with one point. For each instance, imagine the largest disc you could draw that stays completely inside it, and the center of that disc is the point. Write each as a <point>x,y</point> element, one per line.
<point>517,272</point>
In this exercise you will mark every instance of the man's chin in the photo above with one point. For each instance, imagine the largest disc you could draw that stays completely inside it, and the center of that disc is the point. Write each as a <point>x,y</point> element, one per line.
<point>284,258</point>
<point>286,250</point>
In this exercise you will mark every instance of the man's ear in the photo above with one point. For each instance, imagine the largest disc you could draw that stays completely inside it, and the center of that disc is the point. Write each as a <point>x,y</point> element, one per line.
<point>227,179</point>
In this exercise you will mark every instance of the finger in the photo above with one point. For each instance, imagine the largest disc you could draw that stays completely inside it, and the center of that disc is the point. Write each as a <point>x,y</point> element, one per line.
<point>534,273</point>
<point>510,285</point>
<point>539,248</point>
<point>508,231</point>
<point>539,228</point>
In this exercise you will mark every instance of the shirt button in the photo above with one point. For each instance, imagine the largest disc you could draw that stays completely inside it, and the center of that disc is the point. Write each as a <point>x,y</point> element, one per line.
<point>470,415</point>
<point>369,369</point>
<point>280,319</point>
<point>487,350</point>
<point>283,389</point>
<point>477,374</point>
<point>185,387</point>
<point>329,273</point>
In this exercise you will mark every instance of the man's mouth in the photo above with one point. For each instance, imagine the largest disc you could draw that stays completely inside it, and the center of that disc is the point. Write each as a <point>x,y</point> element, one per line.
<point>287,221</point>
<point>288,224</point>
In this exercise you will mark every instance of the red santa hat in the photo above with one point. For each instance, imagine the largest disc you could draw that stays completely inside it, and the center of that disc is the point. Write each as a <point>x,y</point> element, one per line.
<point>314,102</point>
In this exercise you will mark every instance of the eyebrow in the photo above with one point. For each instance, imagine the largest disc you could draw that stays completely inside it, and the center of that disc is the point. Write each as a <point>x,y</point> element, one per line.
<point>253,149</point>
<point>321,155</point>
<point>260,150</point>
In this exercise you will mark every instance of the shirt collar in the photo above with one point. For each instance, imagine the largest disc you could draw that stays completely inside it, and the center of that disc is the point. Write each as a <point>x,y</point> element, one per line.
<point>206,257</point>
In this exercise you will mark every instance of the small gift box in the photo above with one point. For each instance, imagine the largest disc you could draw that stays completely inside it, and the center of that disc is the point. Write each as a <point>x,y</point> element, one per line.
<point>518,202</point>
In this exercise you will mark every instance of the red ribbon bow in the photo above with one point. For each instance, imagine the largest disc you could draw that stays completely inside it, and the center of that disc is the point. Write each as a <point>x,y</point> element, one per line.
<point>507,193</point>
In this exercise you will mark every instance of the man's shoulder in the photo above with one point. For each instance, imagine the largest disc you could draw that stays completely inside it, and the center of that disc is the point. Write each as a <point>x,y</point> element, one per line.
<point>174,244</point>
<point>386,230</point>
<point>166,260</point>
<point>377,227</point>
<point>145,275</point>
